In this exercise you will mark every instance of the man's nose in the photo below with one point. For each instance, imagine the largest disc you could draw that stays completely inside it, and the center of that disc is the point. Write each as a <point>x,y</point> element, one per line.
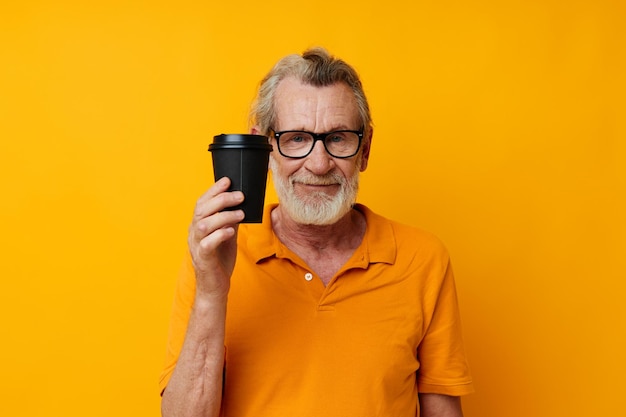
<point>319,161</point>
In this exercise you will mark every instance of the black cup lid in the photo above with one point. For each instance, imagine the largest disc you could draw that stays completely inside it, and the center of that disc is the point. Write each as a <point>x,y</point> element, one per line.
<point>238,141</point>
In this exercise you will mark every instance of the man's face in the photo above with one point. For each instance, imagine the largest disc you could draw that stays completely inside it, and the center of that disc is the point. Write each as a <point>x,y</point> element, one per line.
<point>318,189</point>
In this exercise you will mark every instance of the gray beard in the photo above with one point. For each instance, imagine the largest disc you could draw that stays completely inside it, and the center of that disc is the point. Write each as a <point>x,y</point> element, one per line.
<point>317,208</point>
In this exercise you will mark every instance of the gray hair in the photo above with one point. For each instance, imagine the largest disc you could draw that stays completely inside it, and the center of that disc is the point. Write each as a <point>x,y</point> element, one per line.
<point>315,67</point>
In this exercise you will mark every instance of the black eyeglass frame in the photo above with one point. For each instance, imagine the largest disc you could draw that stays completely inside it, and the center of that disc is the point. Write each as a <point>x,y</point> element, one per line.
<point>316,137</point>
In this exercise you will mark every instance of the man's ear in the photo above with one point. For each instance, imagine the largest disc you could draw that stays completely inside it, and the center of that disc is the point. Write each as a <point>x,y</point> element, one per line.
<point>366,147</point>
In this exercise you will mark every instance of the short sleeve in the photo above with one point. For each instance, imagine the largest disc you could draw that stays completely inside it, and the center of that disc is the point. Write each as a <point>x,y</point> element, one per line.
<point>443,365</point>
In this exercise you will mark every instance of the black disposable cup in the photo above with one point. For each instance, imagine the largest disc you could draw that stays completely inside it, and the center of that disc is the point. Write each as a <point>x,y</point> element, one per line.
<point>244,159</point>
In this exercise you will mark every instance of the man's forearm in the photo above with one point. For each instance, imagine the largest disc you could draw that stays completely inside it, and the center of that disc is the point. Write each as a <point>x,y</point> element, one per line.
<point>437,405</point>
<point>195,388</point>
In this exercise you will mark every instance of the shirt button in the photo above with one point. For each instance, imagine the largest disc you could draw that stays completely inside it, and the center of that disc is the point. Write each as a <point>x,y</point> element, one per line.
<point>308,276</point>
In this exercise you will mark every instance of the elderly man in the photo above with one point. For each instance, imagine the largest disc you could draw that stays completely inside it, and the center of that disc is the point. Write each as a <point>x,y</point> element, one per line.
<point>325,309</point>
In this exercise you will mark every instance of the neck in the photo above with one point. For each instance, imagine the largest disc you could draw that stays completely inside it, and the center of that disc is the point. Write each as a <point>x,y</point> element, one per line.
<point>346,234</point>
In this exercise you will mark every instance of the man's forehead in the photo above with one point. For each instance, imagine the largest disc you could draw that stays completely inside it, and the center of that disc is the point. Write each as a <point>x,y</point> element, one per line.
<point>301,104</point>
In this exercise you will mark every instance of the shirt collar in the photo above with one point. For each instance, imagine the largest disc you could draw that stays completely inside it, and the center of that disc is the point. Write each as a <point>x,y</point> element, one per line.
<point>379,242</point>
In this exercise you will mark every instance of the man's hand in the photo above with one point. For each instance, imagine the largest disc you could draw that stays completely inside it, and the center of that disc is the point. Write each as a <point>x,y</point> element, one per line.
<point>213,239</point>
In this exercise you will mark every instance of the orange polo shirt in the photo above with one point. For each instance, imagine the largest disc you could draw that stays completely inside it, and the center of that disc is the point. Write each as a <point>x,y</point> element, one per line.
<point>385,328</point>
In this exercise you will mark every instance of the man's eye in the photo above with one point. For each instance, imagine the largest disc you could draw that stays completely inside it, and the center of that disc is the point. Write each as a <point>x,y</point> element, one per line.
<point>336,137</point>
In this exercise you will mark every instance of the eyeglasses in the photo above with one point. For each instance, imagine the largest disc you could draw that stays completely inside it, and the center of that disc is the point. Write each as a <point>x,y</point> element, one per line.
<point>298,144</point>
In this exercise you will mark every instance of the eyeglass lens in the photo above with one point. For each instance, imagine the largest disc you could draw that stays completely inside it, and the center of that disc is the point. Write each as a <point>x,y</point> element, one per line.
<point>297,144</point>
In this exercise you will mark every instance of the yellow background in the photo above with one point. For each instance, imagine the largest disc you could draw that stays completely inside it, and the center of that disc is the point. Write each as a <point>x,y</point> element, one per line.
<point>500,127</point>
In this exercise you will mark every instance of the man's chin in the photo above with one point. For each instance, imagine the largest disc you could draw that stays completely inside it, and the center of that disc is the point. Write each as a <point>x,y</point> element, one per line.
<point>313,191</point>
<point>316,200</point>
<point>321,211</point>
